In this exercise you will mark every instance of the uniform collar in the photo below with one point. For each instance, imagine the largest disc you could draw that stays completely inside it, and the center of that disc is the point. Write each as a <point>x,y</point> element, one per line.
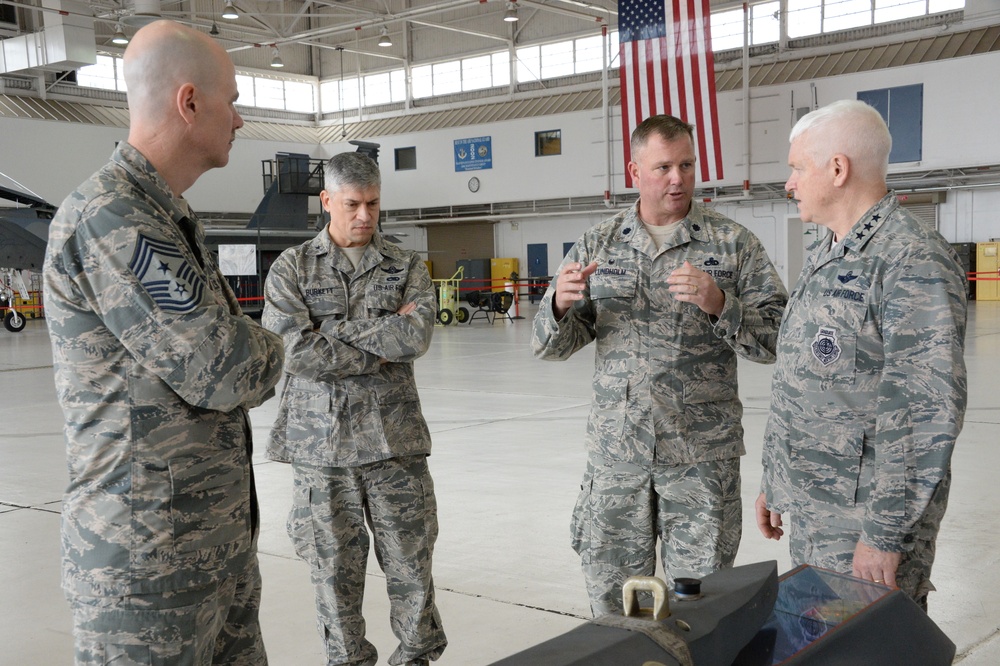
<point>632,231</point>
<point>151,182</point>
<point>869,224</point>
<point>322,244</point>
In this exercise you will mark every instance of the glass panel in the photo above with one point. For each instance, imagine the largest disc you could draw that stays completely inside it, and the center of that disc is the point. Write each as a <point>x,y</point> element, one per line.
<point>477,73</point>
<point>614,49</point>
<point>528,64</point>
<point>727,30</point>
<point>895,10</point>
<point>397,84</point>
<point>589,54</point>
<point>270,93</point>
<point>329,96</point>
<point>557,60</point>
<point>299,96</point>
<point>377,90</point>
<point>245,86</point>
<point>447,77</point>
<point>805,17</point>
<point>764,24</point>
<point>501,68</point>
<point>422,81</point>
<point>352,93</point>
<point>935,6</point>
<point>99,75</point>
<point>844,14</point>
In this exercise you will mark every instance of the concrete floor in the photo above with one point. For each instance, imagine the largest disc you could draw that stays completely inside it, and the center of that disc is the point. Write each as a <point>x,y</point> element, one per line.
<point>507,462</point>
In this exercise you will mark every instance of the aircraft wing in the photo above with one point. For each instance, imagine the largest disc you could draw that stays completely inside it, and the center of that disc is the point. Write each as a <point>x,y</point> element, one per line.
<point>19,248</point>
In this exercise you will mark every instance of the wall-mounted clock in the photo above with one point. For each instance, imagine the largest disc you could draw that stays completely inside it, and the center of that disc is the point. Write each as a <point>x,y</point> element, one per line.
<point>473,184</point>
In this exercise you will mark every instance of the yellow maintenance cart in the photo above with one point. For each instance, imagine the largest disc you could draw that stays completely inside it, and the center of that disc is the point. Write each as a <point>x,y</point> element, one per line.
<point>449,312</point>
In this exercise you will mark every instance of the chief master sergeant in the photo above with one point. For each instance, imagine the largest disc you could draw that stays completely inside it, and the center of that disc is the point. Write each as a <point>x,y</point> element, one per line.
<point>672,292</point>
<point>869,391</point>
<point>355,311</point>
<point>155,369</point>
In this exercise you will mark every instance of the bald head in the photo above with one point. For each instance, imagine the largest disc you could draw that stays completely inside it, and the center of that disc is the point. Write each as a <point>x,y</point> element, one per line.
<point>161,58</point>
<point>851,128</point>
<point>182,101</point>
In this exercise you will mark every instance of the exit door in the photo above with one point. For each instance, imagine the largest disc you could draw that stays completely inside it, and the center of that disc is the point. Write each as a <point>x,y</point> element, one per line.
<point>538,266</point>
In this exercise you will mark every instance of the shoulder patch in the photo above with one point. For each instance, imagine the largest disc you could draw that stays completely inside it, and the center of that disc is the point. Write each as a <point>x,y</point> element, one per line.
<point>173,284</point>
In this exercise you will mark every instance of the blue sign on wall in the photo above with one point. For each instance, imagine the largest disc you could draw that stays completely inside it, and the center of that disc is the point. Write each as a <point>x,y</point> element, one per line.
<point>474,154</point>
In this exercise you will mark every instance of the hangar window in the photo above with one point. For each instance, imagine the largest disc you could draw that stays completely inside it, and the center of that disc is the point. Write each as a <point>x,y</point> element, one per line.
<point>106,74</point>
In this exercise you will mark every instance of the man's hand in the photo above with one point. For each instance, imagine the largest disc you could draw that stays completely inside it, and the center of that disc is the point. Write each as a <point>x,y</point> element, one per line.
<point>570,282</point>
<point>689,284</point>
<point>876,565</point>
<point>406,309</point>
<point>768,522</point>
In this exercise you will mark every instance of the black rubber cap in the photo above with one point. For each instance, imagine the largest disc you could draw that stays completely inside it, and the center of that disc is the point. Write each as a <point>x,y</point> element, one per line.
<point>687,587</point>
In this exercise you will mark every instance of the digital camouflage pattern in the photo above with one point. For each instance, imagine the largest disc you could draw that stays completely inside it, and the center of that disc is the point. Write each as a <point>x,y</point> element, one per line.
<point>155,386</point>
<point>697,505</point>
<point>665,384</point>
<point>350,423</point>
<point>217,624</point>
<point>341,406</point>
<point>327,526</point>
<point>869,394</point>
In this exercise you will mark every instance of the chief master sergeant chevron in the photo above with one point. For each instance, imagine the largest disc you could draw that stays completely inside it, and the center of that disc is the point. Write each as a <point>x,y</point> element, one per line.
<point>672,292</point>
<point>155,369</point>
<point>869,390</point>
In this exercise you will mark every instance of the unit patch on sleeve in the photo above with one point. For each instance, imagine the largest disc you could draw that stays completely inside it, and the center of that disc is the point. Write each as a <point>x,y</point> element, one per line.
<point>825,347</point>
<point>173,284</point>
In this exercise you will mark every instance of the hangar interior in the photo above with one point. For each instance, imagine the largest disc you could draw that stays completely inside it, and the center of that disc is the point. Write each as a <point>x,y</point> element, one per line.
<point>419,78</point>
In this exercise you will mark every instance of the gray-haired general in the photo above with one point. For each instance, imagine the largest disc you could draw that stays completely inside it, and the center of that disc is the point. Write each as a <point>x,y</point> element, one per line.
<point>355,311</point>
<point>869,390</point>
<point>672,292</point>
<point>155,369</point>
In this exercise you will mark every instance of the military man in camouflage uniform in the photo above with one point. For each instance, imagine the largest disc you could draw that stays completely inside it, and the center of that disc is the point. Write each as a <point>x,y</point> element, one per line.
<point>355,311</point>
<point>869,390</point>
<point>156,367</point>
<point>672,292</point>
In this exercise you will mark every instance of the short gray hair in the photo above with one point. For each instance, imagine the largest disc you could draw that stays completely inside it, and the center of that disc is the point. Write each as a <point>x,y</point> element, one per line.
<point>351,170</point>
<point>850,127</point>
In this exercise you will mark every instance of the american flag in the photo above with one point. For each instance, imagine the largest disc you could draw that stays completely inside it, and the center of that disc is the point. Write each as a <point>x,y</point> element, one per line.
<point>669,71</point>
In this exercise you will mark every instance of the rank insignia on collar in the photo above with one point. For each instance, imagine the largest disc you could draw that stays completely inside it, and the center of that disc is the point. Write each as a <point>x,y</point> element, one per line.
<point>173,283</point>
<point>825,347</point>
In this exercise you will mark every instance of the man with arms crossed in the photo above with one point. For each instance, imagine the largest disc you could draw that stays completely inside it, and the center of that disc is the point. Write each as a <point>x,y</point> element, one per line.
<point>156,367</point>
<point>355,311</point>
<point>869,390</point>
<point>672,292</point>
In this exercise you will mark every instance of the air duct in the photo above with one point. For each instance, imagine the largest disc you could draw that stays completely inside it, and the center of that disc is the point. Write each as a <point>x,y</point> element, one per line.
<point>66,41</point>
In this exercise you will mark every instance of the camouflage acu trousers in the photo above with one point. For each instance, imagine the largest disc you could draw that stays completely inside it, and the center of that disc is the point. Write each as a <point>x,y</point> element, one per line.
<point>195,627</point>
<point>327,524</point>
<point>827,538</point>
<point>695,510</point>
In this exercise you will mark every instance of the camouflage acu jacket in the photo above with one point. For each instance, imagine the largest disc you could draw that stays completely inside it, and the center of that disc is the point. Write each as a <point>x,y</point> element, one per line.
<point>155,367</point>
<point>665,386</point>
<point>869,390</point>
<point>342,405</point>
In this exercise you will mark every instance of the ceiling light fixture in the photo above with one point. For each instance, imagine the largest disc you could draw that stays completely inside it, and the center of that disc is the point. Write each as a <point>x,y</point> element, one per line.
<point>383,39</point>
<point>215,30</point>
<point>276,58</point>
<point>510,16</point>
<point>229,12</point>
<point>119,37</point>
